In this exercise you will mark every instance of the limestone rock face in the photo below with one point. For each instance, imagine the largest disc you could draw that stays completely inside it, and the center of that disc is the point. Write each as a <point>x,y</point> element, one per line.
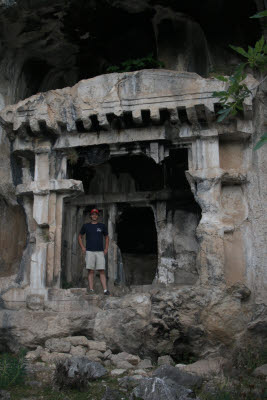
<point>191,320</point>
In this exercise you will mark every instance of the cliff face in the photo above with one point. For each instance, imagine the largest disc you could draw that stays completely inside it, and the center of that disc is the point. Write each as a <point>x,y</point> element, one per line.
<point>142,145</point>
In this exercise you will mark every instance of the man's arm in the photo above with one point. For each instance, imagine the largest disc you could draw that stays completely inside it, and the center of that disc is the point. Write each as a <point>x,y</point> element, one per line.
<point>106,244</point>
<point>80,240</point>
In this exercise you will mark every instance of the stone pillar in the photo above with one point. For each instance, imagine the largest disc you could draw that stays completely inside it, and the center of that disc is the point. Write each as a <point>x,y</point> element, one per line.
<point>204,177</point>
<point>48,189</point>
<point>40,215</point>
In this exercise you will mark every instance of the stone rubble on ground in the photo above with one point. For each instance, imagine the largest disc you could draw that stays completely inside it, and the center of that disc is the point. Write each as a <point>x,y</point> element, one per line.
<point>165,360</point>
<point>160,389</point>
<point>206,368</point>
<point>117,372</point>
<point>180,377</point>
<point>76,372</point>
<point>260,372</point>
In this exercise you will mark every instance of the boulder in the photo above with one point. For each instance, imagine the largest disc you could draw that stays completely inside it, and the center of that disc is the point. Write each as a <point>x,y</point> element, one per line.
<point>139,372</point>
<point>52,358</point>
<point>122,357</point>
<point>178,376</point>
<point>35,354</point>
<point>129,382</point>
<point>145,364</point>
<point>123,365</point>
<point>260,372</point>
<point>111,394</point>
<point>58,345</point>
<point>77,351</point>
<point>160,389</point>
<point>94,354</point>
<point>107,354</point>
<point>206,368</point>
<point>76,372</point>
<point>117,372</point>
<point>95,345</point>
<point>165,360</point>
<point>77,340</point>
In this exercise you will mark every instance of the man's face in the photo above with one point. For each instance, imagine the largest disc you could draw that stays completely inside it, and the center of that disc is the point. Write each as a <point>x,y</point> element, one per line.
<point>94,216</point>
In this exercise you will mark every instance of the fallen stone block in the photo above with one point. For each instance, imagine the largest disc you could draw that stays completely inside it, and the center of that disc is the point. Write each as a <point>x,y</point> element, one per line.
<point>95,345</point>
<point>77,351</point>
<point>165,360</point>
<point>117,372</point>
<point>58,345</point>
<point>54,357</point>
<point>93,354</point>
<point>123,356</point>
<point>260,372</point>
<point>206,368</point>
<point>77,340</point>
<point>146,363</point>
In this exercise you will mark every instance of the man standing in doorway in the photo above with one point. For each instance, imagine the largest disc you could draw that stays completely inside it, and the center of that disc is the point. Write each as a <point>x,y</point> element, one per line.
<point>95,252</point>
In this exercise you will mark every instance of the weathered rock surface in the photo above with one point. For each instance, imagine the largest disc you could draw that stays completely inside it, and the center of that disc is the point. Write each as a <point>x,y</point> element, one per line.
<point>207,368</point>
<point>160,389</point>
<point>260,371</point>
<point>165,360</point>
<point>4,395</point>
<point>180,377</point>
<point>77,372</point>
<point>162,321</point>
<point>111,394</point>
<point>58,345</point>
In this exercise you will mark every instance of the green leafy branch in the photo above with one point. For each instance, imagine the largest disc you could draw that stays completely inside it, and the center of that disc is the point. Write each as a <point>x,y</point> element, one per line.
<point>260,14</point>
<point>232,99</point>
<point>257,56</point>
<point>136,64</point>
<point>261,142</point>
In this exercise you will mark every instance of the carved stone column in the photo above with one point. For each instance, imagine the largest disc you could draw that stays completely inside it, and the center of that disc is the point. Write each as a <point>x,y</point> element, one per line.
<point>49,189</point>
<point>204,177</point>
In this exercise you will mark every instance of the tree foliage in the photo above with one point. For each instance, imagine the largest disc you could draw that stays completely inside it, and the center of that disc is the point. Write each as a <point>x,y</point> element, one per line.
<point>231,99</point>
<point>136,64</point>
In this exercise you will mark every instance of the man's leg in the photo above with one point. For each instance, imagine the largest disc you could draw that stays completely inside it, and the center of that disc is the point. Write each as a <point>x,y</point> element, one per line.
<point>103,279</point>
<point>91,273</point>
<point>90,265</point>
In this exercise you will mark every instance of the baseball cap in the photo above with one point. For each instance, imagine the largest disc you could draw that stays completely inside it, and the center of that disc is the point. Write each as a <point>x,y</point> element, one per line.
<point>94,210</point>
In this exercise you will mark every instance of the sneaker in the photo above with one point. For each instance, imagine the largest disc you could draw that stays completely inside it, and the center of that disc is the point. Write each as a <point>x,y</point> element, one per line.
<point>106,293</point>
<point>91,291</point>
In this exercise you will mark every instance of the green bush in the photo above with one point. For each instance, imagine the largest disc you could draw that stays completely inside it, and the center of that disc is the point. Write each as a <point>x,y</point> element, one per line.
<point>12,369</point>
<point>136,64</point>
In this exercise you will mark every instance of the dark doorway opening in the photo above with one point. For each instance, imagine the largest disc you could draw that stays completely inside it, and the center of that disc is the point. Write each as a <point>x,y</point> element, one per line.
<point>137,240</point>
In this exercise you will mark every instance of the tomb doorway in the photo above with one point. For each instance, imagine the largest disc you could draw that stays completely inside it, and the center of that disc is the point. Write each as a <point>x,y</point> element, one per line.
<point>137,240</point>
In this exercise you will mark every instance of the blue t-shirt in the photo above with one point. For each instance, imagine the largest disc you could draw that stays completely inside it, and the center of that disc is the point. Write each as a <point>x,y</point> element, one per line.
<point>94,236</point>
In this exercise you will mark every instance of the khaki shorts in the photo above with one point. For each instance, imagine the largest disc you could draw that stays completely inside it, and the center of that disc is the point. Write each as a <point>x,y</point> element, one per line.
<point>95,260</point>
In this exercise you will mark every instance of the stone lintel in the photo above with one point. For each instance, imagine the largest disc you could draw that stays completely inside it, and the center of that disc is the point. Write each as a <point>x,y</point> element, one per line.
<point>124,136</point>
<point>43,188</point>
<point>149,91</point>
<point>133,197</point>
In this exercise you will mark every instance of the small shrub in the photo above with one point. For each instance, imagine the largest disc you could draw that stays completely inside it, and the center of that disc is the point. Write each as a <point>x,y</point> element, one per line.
<point>12,369</point>
<point>136,64</point>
